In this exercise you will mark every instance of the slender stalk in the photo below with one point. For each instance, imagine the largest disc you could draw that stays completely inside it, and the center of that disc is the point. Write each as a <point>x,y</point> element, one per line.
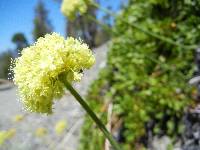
<point>162,38</point>
<point>92,115</point>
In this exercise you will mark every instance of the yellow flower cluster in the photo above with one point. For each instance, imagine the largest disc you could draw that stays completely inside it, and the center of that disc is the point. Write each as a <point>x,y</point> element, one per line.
<point>37,71</point>
<point>70,7</point>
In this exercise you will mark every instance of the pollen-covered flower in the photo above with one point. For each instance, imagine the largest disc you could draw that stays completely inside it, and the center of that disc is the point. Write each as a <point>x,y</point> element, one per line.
<point>37,71</point>
<point>71,7</point>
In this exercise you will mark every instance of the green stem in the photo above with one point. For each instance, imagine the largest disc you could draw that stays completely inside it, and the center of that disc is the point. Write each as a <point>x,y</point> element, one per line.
<point>162,38</point>
<point>92,115</point>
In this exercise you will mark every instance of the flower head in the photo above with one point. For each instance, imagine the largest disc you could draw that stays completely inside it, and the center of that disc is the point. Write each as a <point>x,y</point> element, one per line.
<point>7,134</point>
<point>70,7</point>
<point>60,126</point>
<point>18,118</point>
<point>37,71</point>
<point>40,132</point>
<point>3,137</point>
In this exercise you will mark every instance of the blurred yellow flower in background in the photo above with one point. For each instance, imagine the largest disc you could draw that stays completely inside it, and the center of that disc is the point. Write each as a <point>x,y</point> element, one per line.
<point>37,72</point>
<point>18,118</point>
<point>11,132</point>
<point>6,134</point>
<point>40,132</point>
<point>3,137</point>
<point>71,7</point>
<point>60,126</point>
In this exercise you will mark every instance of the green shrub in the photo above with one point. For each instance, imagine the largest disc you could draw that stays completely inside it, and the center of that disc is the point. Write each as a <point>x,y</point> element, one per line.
<point>146,78</point>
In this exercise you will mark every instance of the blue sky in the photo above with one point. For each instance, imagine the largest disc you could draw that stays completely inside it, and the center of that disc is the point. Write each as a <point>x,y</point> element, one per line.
<point>17,16</point>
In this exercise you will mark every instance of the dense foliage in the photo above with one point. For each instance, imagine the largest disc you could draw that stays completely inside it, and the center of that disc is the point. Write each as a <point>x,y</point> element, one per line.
<point>5,59</point>
<point>146,79</point>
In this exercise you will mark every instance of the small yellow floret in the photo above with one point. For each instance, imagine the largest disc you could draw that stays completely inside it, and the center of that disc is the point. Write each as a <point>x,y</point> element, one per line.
<point>3,137</point>
<point>40,132</point>
<point>10,133</point>
<point>37,72</point>
<point>7,134</point>
<point>18,118</point>
<point>60,126</point>
<point>71,7</point>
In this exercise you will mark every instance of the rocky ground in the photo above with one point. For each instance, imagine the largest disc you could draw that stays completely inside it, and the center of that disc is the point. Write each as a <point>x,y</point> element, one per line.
<point>67,108</point>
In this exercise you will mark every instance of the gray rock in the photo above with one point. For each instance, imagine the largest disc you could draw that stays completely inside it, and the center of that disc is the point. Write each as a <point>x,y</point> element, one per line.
<point>162,143</point>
